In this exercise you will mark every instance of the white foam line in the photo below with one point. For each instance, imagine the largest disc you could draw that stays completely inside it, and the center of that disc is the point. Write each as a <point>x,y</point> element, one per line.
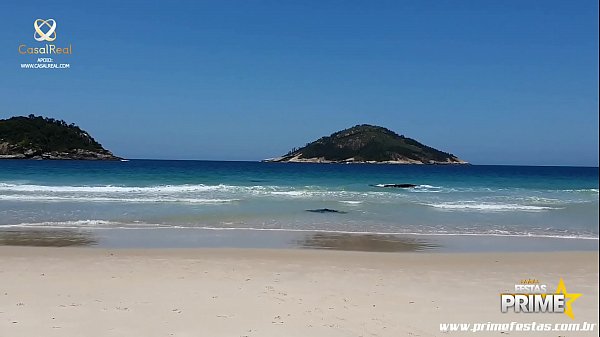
<point>397,233</point>
<point>350,202</point>
<point>120,189</point>
<point>26,191</point>
<point>489,207</point>
<point>116,199</point>
<point>74,225</point>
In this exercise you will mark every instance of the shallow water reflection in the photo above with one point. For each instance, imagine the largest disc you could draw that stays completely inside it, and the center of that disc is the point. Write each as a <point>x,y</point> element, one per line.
<point>46,238</point>
<point>365,242</point>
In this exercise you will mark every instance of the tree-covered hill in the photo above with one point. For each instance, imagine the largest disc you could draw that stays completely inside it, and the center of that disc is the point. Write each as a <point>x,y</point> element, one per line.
<point>47,138</point>
<point>368,143</point>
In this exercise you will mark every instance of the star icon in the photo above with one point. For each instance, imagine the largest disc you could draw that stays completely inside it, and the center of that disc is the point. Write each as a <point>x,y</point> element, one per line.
<point>571,297</point>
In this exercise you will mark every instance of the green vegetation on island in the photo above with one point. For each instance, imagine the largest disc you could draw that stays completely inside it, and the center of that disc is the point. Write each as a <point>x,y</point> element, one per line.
<point>368,144</point>
<point>36,137</point>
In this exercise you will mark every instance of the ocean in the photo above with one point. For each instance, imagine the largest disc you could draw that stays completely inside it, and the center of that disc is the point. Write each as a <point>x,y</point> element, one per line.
<point>143,195</point>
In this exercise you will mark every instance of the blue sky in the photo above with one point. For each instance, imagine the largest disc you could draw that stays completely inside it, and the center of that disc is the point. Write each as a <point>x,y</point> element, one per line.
<point>494,82</point>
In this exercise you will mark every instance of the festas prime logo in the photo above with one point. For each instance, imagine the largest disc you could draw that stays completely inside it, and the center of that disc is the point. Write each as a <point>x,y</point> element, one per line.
<point>45,30</point>
<point>532,296</point>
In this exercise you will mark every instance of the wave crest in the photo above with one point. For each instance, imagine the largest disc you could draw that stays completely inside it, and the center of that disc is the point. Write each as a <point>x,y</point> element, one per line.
<point>488,206</point>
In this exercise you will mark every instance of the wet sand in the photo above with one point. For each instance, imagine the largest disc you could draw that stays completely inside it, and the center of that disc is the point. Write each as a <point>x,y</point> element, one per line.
<point>79,291</point>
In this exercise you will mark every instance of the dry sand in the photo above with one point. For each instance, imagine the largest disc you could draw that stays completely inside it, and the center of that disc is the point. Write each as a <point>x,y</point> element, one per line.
<point>228,292</point>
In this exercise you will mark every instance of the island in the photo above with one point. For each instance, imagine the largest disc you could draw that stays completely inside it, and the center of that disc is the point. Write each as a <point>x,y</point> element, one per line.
<point>367,144</point>
<point>36,137</point>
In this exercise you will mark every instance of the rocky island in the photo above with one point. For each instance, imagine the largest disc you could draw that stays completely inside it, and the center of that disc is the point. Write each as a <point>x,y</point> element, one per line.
<point>36,137</point>
<point>367,144</point>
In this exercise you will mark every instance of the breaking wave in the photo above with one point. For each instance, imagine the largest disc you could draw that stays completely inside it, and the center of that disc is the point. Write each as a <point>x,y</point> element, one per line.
<point>489,206</point>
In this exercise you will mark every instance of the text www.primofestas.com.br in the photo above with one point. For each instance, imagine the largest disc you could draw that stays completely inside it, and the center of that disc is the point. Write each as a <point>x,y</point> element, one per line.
<point>515,326</point>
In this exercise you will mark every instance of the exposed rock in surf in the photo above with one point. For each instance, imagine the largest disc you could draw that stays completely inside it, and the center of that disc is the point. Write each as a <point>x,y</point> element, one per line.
<point>396,185</point>
<point>325,210</point>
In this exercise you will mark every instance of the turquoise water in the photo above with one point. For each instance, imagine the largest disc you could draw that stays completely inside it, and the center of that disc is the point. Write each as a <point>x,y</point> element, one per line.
<point>449,200</point>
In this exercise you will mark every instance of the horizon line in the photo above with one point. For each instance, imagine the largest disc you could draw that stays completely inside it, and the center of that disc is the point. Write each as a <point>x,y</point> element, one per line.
<point>261,160</point>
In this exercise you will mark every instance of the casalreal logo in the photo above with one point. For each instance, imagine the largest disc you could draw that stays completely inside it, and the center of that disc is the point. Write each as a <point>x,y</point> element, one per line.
<point>531,296</point>
<point>49,35</point>
<point>45,30</point>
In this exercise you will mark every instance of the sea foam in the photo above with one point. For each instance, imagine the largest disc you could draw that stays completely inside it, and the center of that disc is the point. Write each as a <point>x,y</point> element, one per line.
<point>488,206</point>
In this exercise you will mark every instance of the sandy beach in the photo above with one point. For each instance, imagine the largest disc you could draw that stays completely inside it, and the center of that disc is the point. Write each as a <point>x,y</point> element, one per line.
<point>252,292</point>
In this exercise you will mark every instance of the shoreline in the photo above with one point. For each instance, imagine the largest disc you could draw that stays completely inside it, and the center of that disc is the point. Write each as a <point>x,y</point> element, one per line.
<point>194,237</point>
<point>274,292</point>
